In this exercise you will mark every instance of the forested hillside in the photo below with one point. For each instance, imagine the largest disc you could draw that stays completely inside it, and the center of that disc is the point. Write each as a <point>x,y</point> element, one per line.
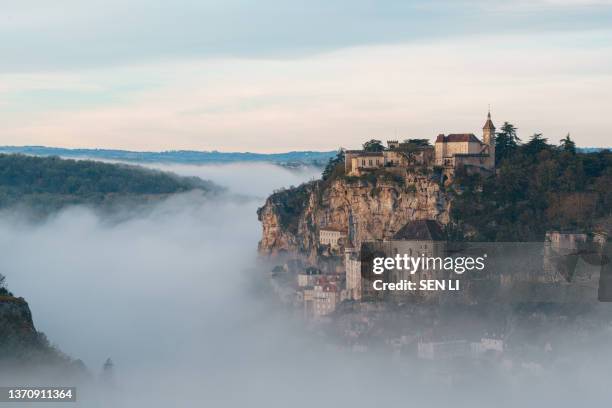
<point>538,186</point>
<point>48,183</point>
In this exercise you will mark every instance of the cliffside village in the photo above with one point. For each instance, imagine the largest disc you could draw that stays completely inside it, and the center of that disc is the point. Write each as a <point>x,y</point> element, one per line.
<point>318,295</point>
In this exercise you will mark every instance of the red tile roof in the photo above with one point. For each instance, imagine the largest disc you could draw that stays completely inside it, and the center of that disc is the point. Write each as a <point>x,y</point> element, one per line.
<point>457,137</point>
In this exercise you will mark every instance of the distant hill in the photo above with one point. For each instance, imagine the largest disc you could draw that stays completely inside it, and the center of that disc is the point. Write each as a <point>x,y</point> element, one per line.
<point>45,184</point>
<point>591,149</point>
<point>289,159</point>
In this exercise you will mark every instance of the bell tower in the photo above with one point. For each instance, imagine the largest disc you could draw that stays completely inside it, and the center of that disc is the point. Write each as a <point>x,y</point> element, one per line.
<point>488,138</point>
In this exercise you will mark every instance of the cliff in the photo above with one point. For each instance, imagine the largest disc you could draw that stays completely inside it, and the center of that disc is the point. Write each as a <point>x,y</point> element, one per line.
<point>365,208</point>
<point>16,322</point>
<point>23,348</point>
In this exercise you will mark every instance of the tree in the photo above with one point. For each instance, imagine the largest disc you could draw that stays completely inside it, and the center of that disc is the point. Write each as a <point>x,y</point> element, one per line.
<point>332,164</point>
<point>536,144</point>
<point>411,146</point>
<point>373,145</point>
<point>108,372</point>
<point>568,145</point>
<point>418,142</point>
<point>506,141</point>
<point>3,290</point>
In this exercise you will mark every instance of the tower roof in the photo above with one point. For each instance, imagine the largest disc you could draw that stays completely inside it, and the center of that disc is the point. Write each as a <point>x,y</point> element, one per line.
<point>421,230</point>
<point>489,123</point>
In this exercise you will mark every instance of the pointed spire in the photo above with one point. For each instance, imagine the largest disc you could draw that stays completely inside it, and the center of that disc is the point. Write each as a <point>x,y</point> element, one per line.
<point>489,123</point>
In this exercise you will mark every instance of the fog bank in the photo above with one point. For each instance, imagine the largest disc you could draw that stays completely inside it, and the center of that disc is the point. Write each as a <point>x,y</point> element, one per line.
<point>176,298</point>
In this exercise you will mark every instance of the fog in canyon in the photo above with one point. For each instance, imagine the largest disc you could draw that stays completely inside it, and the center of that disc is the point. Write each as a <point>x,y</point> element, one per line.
<point>176,297</point>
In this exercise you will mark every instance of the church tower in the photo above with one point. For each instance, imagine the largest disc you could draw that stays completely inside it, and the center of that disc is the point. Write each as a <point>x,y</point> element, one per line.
<point>488,138</point>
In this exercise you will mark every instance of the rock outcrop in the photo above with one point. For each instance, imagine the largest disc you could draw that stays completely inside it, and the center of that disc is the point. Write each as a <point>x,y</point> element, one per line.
<point>16,322</point>
<point>26,352</point>
<point>365,208</point>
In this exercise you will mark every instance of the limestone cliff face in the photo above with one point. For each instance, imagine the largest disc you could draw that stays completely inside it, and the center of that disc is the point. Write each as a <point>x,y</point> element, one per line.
<point>16,326</point>
<point>373,208</point>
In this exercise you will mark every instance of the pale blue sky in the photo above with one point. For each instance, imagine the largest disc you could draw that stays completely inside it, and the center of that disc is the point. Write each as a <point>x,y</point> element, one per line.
<point>288,75</point>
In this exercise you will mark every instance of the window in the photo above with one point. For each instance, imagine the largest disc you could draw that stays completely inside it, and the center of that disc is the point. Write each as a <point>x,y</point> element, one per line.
<point>370,162</point>
<point>363,162</point>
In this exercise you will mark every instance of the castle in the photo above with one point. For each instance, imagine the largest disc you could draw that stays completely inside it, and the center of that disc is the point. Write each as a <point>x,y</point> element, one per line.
<point>450,152</point>
<point>464,149</point>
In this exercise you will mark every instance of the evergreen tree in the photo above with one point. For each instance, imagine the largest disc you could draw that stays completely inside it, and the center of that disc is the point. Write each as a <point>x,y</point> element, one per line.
<point>3,290</point>
<point>373,145</point>
<point>536,144</point>
<point>418,142</point>
<point>412,146</point>
<point>506,141</point>
<point>332,164</point>
<point>108,371</point>
<point>568,145</point>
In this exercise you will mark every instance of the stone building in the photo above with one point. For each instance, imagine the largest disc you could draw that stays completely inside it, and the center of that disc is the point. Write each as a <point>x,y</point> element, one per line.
<point>308,277</point>
<point>419,238</point>
<point>352,265</point>
<point>558,247</point>
<point>396,155</point>
<point>466,150</point>
<point>416,239</point>
<point>331,237</point>
<point>356,161</point>
<point>322,298</point>
<point>488,344</point>
<point>600,238</point>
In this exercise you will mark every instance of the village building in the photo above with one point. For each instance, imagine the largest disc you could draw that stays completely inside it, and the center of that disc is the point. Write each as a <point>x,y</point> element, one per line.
<point>331,236</point>
<point>322,298</point>
<point>488,344</point>
<point>396,156</point>
<point>419,238</point>
<point>600,238</point>
<point>564,241</point>
<point>358,161</point>
<point>308,277</point>
<point>557,246</point>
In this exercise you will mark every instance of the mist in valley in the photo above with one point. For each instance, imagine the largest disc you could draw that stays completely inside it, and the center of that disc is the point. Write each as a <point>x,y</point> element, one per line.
<point>177,297</point>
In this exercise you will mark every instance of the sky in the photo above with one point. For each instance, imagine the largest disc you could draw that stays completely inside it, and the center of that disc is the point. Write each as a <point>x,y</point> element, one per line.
<point>272,76</point>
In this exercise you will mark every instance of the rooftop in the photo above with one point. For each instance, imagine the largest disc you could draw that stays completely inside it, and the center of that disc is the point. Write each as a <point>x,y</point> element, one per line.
<point>421,230</point>
<point>457,137</point>
<point>489,123</point>
<point>363,153</point>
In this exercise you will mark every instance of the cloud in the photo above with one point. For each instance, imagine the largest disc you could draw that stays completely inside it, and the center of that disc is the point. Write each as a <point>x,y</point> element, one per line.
<point>550,83</point>
<point>68,34</point>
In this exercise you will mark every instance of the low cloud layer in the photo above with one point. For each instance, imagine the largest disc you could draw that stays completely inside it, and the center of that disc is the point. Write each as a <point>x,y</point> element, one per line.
<point>177,299</point>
